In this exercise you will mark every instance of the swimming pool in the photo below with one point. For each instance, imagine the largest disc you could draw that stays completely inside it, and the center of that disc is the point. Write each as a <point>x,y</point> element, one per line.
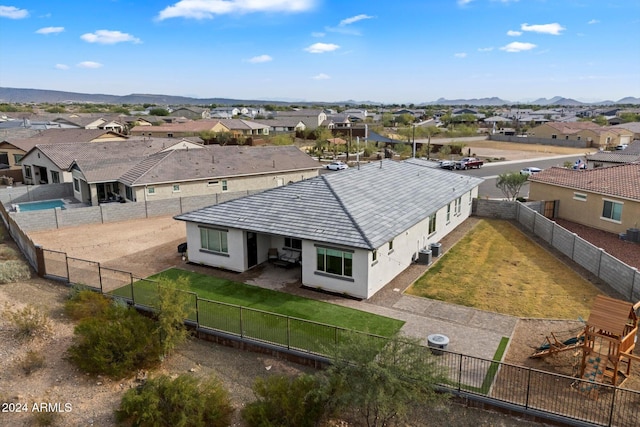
<point>42,204</point>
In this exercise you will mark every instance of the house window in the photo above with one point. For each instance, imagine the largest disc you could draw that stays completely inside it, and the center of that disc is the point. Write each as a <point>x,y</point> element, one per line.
<point>390,246</point>
<point>212,183</point>
<point>448,213</point>
<point>17,158</point>
<point>4,158</point>
<point>432,223</point>
<point>554,136</point>
<point>612,210</point>
<point>566,137</point>
<point>55,177</point>
<point>214,240</point>
<point>374,255</point>
<point>458,208</point>
<point>128,191</point>
<point>580,196</point>
<point>290,242</point>
<point>76,185</point>
<point>224,185</point>
<point>335,261</point>
<point>27,172</point>
<point>151,190</point>
<point>169,135</point>
<point>176,188</point>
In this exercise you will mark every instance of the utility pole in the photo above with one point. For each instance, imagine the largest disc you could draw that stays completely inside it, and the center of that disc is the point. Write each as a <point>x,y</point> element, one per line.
<point>414,140</point>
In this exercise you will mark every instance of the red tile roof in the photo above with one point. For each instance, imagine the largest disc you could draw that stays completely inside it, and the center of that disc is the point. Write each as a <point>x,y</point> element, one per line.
<point>621,180</point>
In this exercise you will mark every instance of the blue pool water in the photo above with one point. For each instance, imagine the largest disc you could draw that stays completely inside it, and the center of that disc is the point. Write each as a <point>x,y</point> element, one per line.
<point>43,204</point>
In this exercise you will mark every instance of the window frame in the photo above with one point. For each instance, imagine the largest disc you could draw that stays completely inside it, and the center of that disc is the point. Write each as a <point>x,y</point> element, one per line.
<point>292,243</point>
<point>612,217</point>
<point>76,185</point>
<point>175,188</point>
<point>432,223</point>
<point>55,177</point>
<point>151,191</point>
<point>27,172</point>
<point>326,267</point>
<point>217,240</point>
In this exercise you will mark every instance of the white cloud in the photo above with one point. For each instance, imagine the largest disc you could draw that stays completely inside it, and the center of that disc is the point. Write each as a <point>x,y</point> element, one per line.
<point>322,47</point>
<point>553,29</point>
<point>13,12</point>
<point>354,19</point>
<point>260,58</point>
<point>89,64</point>
<point>517,47</point>
<point>61,66</point>
<point>460,55</point>
<point>50,30</point>
<point>593,21</point>
<point>207,9</point>
<point>485,49</point>
<point>317,34</point>
<point>109,37</point>
<point>513,33</point>
<point>464,2</point>
<point>321,76</point>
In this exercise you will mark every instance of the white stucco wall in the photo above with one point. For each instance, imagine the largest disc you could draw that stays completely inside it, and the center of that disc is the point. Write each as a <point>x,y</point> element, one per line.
<point>235,261</point>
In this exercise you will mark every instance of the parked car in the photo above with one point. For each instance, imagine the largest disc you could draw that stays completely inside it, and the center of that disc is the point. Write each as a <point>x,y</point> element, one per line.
<point>447,164</point>
<point>337,166</point>
<point>468,163</point>
<point>621,146</point>
<point>532,170</point>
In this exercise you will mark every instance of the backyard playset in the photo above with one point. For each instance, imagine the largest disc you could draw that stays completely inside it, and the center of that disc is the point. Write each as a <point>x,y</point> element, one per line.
<point>606,342</point>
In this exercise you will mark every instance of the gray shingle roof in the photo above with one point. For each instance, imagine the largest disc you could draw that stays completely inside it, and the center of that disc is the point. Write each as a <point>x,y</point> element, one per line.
<point>361,208</point>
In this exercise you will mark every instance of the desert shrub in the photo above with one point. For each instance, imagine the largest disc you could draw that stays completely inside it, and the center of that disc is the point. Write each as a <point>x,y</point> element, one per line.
<point>14,271</point>
<point>7,253</point>
<point>31,362</point>
<point>116,344</point>
<point>86,303</point>
<point>45,418</point>
<point>286,402</point>
<point>183,401</point>
<point>28,321</point>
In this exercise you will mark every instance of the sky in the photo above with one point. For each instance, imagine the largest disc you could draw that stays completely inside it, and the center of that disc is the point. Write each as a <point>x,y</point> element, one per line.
<point>390,52</point>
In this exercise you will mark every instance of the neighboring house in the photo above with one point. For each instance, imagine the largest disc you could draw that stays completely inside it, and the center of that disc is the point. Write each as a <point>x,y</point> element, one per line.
<point>187,170</point>
<point>632,126</point>
<point>604,198</point>
<point>594,135</point>
<point>180,130</point>
<point>193,113</point>
<point>630,154</point>
<point>352,231</point>
<point>311,118</point>
<point>11,155</point>
<point>240,127</point>
<point>283,125</point>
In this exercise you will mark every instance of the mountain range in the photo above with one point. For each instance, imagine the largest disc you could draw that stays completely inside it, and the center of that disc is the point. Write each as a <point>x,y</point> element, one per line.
<point>20,95</point>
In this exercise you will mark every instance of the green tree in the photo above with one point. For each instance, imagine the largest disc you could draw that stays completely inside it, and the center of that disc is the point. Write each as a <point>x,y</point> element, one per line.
<point>56,109</point>
<point>380,384</point>
<point>281,140</point>
<point>181,402</point>
<point>158,112</point>
<point>173,309</point>
<point>510,184</point>
<point>600,120</point>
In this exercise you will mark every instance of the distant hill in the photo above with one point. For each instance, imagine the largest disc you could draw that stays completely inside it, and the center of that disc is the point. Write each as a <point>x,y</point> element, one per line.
<point>59,97</point>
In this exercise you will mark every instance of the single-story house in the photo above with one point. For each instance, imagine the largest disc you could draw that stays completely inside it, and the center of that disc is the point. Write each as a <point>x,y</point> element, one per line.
<point>310,117</point>
<point>602,158</point>
<point>184,170</point>
<point>351,231</point>
<point>604,198</point>
<point>594,135</point>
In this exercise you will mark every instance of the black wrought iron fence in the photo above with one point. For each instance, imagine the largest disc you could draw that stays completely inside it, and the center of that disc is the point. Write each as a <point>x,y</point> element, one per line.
<point>574,400</point>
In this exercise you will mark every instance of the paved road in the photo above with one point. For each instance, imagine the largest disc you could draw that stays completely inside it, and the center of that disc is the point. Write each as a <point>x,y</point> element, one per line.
<point>490,172</point>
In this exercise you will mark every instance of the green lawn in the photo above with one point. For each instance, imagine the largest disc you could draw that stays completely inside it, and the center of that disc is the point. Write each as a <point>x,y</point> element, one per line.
<point>229,297</point>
